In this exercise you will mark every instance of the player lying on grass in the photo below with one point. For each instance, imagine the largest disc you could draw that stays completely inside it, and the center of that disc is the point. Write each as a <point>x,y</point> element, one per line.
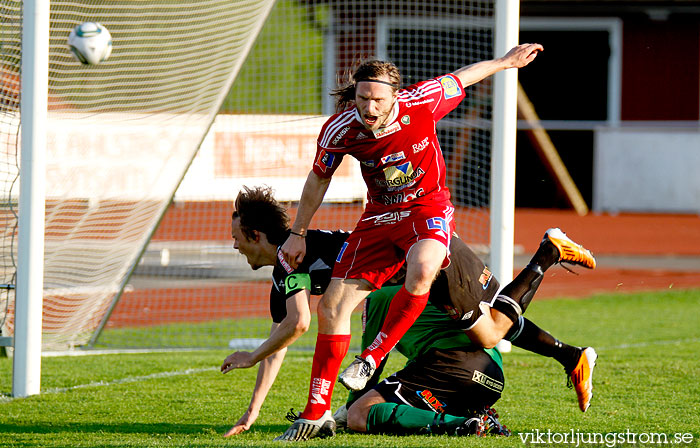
<point>469,293</point>
<point>447,386</point>
<point>260,224</point>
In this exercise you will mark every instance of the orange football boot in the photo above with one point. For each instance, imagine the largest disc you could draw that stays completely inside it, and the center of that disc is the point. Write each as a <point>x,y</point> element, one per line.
<point>569,251</point>
<point>581,378</point>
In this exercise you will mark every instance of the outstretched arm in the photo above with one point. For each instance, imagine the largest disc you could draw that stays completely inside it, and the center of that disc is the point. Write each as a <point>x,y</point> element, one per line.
<point>517,57</point>
<point>267,372</point>
<point>315,189</point>
<point>270,354</point>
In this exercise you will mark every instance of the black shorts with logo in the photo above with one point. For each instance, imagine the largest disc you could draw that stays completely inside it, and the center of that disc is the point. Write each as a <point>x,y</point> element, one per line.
<point>457,382</point>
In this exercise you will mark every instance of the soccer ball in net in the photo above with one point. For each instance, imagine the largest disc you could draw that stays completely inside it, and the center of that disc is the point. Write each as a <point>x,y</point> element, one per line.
<point>90,43</point>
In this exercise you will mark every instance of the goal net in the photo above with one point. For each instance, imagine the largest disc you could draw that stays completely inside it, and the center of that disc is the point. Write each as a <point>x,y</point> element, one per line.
<point>189,287</point>
<point>120,137</point>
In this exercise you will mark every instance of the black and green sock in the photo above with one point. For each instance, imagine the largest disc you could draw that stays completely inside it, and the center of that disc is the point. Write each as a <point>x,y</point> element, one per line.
<point>402,419</point>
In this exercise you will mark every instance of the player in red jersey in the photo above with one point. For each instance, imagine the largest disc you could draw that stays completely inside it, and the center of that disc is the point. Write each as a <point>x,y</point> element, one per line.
<point>408,217</point>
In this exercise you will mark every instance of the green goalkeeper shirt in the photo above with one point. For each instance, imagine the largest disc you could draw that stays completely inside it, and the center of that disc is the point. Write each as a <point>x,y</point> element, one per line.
<point>433,328</point>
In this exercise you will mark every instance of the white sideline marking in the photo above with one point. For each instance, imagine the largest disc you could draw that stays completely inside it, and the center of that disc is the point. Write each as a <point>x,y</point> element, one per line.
<point>130,379</point>
<point>122,351</point>
<point>649,344</point>
<point>135,379</point>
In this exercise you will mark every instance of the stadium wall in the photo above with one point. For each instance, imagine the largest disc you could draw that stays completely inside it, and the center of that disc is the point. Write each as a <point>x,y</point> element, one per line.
<point>659,79</point>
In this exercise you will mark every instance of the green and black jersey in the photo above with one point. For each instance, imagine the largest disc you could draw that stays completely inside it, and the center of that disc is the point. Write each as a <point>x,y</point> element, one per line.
<point>313,274</point>
<point>433,328</point>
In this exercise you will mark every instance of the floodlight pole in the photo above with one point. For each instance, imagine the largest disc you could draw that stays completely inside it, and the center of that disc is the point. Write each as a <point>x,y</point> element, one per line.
<point>26,377</point>
<point>503,152</point>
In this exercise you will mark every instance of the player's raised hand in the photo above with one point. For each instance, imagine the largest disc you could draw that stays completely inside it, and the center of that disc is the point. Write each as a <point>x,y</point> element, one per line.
<point>243,424</point>
<point>237,360</point>
<point>521,55</point>
<point>293,250</point>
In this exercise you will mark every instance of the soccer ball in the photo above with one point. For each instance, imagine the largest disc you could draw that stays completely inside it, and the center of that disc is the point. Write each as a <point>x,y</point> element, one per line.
<point>90,43</point>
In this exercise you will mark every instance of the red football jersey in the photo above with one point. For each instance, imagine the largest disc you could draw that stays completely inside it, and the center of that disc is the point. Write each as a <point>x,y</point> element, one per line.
<point>402,163</point>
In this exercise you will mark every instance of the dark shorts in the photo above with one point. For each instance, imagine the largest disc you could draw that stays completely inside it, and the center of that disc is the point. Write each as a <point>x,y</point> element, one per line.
<point>456,382</point>
<point>463,285</point>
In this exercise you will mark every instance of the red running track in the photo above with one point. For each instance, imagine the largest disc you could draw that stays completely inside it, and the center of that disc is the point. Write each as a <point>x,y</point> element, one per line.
<point>618,235</point>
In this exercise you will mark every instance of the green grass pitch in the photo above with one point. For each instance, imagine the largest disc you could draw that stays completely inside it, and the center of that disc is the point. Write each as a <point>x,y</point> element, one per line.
<point>646,385</point>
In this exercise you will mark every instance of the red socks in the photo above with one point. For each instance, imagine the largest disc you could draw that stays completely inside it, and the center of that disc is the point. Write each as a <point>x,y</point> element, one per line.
<point>332,348</point>
<point>328,356</point>
<point>403,312</point>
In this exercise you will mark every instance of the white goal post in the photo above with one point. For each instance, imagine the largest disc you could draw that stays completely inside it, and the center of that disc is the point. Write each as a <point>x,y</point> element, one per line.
<point>118,138</point>
<point>503,152</point>
<point>26,373</point>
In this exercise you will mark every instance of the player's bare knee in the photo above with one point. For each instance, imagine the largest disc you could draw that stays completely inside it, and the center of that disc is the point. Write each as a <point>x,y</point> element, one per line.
<point>326,311</point>
<point>330,304</point>
<point>423,263</point>
<point>427,272</point>
<point>420,277</point>
<point>357,418</point>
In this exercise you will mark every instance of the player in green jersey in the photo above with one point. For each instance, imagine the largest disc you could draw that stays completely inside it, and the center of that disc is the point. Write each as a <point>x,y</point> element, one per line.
<point>447,386</point>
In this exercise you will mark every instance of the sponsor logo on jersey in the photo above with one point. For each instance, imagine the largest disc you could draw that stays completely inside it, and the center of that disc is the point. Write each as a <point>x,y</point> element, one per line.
<point>437,224</point>
<point>431,400</point>
<point>398,198</point>
<point>406,120</point>
<point>391,129</point>
<point>360,136</point>
<point>319,388</point>
<point>399,175</point>
<point>487,381</point>
<point>450,87</point>
<point>452,312</point>
<point>418,147</point>
<point>420,103</point>
<point>485,278</point>
<point>369,163</point>
<point>340,135</point>
<point>468,315</point>
<point>395,157</point>
<point>279,285</point>
<point>325,160</point>
<point>284,263</point>
<point>388,218</point>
